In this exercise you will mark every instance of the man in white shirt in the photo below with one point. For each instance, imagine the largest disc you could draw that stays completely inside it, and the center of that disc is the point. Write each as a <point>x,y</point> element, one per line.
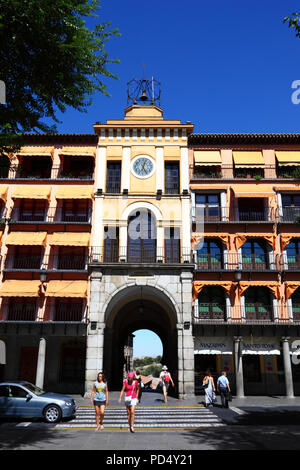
<point>224,388</point>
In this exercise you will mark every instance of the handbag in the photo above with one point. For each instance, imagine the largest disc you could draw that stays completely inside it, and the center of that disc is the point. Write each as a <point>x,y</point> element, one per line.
<point>127,400</point>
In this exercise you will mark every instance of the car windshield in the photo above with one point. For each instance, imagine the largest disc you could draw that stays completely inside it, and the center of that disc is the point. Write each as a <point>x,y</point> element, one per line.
<point>34,389</point>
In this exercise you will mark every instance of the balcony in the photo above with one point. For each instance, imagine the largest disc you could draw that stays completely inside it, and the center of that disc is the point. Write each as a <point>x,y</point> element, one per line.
<point>290,214</point>
<point>139,256</point>
<point>67,262</point>
<point>233,261</point>
<point>58,172</point>
<point>68,312</point>
<point>21,312</point>
<point>215,214</point>
<point>52,215</point>
<point>249,314</point>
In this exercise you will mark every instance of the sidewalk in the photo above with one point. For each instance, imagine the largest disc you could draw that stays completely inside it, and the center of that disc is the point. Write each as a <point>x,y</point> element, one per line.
<point>156,399</point>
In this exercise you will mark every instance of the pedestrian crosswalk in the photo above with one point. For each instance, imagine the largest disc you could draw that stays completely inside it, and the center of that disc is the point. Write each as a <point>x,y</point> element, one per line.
<point>146,418</point>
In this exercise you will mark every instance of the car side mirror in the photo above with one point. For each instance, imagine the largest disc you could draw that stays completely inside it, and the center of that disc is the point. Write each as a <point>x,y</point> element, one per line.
<point>28,397</point>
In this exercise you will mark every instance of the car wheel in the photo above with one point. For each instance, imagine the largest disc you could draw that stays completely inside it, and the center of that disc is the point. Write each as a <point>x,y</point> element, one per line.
<point>52,414</point>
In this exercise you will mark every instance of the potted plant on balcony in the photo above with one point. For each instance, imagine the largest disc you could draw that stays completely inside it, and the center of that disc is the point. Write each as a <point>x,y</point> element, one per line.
<point>257,177</point>
<point>296,173</point>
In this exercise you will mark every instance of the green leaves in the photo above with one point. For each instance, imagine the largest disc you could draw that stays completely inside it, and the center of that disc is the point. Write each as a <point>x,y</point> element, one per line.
<point>49,60</point>
<point>293,22</point>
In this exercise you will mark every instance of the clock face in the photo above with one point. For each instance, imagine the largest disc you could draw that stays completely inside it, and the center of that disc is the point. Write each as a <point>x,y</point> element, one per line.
<point>143,167</point>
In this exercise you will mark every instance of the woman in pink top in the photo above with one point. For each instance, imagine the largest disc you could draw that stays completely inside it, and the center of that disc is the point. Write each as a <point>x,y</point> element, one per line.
<point>131,387</point>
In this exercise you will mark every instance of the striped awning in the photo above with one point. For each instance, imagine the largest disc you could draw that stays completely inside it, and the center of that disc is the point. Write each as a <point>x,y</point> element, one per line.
<point>26,238</point>
<point>253,190</point>
<point>74,192</point>
<point>207,157</point>
<point>35,150</point>
<point>249,159</point>
<point>67,289</point>
<point>288,158</point>
<point>32,192</point>
<point>76,151</point>
<point>70,239</point>
<point>17,288</point>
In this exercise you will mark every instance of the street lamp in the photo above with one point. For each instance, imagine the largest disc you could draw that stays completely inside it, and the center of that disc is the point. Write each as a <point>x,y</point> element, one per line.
<point>238,275</point>
<point>43,278</point>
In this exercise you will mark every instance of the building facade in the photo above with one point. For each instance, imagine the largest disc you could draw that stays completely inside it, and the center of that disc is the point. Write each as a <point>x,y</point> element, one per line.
<point>145,225</point>
<point>245,289</point>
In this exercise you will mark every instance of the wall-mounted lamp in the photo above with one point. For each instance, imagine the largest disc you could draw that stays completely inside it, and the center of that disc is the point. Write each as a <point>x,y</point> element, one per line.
<point>238,275</point>
<point>43,278</point>
<point>186,325</point>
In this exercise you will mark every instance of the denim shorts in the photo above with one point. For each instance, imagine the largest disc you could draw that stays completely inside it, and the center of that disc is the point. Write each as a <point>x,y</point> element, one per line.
<point>99,403</point>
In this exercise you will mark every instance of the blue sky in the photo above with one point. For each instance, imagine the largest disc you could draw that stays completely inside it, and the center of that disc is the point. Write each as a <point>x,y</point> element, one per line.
<point>225,66</point>
<point>146,343</point>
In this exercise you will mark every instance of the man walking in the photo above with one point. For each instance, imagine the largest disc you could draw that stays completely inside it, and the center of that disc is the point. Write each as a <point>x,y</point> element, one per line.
<point>224,389</point>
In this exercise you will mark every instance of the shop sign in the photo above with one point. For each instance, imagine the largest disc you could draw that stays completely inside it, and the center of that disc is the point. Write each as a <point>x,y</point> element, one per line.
<point>213,346</point>
<point>262,346</point>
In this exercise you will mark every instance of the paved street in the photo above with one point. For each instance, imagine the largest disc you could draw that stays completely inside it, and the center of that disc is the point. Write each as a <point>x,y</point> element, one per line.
<point>256,423</point>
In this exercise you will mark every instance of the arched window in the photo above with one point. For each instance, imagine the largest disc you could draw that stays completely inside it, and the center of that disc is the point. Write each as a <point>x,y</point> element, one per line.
<point>212,303</point>
<point>258,305</point>
<point>210,256</point>
<point>255,255</point>
<point>293,254</point>
<point>141,239</point>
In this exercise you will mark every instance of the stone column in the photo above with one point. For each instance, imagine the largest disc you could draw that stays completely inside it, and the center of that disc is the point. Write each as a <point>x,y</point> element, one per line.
<point>289,387</point>
<point>186,373</point>
<point>40,371</point>
<point>238,360</point>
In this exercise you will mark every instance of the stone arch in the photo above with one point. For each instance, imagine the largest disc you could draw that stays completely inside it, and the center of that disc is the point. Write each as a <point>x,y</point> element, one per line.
<point>135,206</point>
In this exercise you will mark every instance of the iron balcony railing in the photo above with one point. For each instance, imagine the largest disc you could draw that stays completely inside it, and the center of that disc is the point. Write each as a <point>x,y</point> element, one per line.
<point>221,171</point>
<point>69,312</point>
<point>113,187</point>
<point>52,214</point>
<point>58,172</point>
<point>250,313</point>
<point>215,213</point>
<point>60,262</point>
<point>152,255</point>
<point>290,214</point>
<point>233,261</point>
<point>25,312</point>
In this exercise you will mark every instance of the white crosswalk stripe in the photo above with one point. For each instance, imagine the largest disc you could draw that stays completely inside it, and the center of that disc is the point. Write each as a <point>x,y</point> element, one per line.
<point>171,417</point>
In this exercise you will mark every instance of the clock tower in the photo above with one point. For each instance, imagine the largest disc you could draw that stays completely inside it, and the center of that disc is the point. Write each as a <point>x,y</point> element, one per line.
<point>141,265</point>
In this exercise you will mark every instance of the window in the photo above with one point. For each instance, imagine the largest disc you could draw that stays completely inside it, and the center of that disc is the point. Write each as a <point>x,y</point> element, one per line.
<point>296,305</point>
<point>21,310</point>
<point>141,242</point>
<point>210,256</point>
<point>258,304</point>
<point>68,310</point>
<point>293,255</point>
<point>78,167</point>
<point>4,391</point>
<point>208,206</point>
<point>35,166</point>
<point>251,209</point>
<point>72,258</point>
<point>211,303</point>
<point>172,245</point>
<point>111,245</point>
<point>27,257</point>
<point>172,178</point>
<point>75,210</point>
<point>291,207</point>
<point>17,392</point>
<point>32,210</point>
<point>255,255</point>
<point>113,177</point>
